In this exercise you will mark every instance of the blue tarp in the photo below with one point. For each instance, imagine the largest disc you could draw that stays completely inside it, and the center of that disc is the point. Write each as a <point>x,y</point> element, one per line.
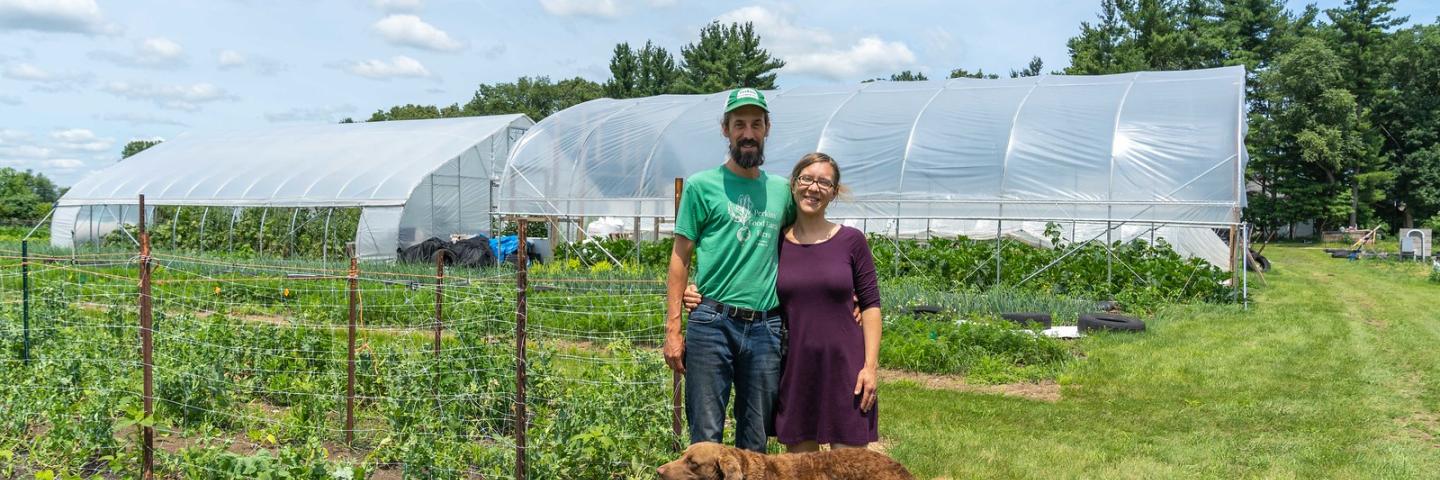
<point>504,246</point>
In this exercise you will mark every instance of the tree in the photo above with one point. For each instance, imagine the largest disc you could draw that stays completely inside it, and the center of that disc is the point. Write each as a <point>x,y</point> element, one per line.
<point>1032,69</point>
<point>1320,139</point>
<point>905,76</point>
<point>963,73</point>
<point>536,97</point>
<point>25,197</point>
<point>415,112</point>
<point>649,71</point>
<point>137,146</point>
<point>1360,35</point>
<point>1099,48</point>
<point>624,73</point>
<point>727,57</point>
<point>1407,111</point>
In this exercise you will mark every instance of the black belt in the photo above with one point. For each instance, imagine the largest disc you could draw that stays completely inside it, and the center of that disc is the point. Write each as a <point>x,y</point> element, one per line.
<point>738,313</point>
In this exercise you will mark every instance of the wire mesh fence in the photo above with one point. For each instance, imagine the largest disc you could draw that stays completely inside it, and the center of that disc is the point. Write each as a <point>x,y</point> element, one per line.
<point>252,363</point>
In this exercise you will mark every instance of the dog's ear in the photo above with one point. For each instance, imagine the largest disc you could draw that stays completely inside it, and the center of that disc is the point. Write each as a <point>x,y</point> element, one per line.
<point>730,466</point>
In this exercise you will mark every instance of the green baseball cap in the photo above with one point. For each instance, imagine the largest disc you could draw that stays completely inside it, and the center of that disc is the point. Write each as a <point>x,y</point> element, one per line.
<point>745,96</point>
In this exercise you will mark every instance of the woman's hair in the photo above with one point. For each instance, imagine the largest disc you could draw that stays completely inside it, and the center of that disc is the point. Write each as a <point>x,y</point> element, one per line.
<point>814,158</point>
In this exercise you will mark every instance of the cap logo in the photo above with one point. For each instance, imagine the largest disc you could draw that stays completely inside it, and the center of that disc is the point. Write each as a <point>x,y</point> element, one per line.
<point>747,93</point>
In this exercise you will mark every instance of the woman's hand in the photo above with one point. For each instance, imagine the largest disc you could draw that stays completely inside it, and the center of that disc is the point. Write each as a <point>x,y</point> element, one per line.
<point>692,297</point>
<point>865,384</point>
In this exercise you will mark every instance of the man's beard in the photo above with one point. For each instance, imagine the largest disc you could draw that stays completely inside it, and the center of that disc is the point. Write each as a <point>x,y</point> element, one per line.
<point>745,159</point>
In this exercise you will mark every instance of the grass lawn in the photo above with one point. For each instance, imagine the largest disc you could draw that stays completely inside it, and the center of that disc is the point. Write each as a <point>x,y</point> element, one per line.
<point>1334,372</point>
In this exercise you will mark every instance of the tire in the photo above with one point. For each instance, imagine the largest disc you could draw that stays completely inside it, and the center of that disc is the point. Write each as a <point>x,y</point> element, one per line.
<point>918,310</point>
<point>1028,319</point>
<point>1110,322</point>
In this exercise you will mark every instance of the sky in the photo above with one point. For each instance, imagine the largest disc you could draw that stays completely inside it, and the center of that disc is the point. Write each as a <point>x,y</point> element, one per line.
<point>80,78</point>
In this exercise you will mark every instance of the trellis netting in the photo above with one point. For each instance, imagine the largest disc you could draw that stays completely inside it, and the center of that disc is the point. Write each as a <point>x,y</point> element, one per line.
<point>412,179</point>
<point>1110,157</point>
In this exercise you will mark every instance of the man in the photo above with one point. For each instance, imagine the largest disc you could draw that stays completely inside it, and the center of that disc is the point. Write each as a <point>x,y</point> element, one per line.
<point>730,217</point>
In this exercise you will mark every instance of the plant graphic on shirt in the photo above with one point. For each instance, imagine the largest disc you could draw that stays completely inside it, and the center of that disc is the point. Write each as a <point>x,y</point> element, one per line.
<point>740,213</point>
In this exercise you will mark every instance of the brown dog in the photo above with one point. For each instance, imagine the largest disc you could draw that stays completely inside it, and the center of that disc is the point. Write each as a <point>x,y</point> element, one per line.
<point>713,461</point>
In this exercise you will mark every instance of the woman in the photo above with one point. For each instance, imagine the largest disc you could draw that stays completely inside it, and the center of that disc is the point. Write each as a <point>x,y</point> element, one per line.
<point>827,388</point>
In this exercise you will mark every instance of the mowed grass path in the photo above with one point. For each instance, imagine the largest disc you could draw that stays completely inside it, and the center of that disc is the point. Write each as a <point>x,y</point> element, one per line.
<point>1334,372</point>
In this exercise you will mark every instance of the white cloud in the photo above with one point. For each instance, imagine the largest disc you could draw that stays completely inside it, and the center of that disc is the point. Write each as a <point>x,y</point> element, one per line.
<point>139,119</point>
<point>73,135</point>
<point>233,60</point>
<point>176,97</point>
<point>25,71</point>
<point>63,164</point>
<point>398,67</point>
<point>397,5</point>
<point>80,139</point>
<point>9,100</point>
<point>411,31</point>
<point>69,16</point>
<point>870,56</point>
<point>45,81</point>
<point>311,114</point>
<point>155,52</point>
<point>816,51</point>
<point>581,8</point>
<point>25,151</point>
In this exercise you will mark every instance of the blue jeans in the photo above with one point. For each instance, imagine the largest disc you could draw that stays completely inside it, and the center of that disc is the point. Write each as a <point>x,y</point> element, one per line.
<point>720,350</point>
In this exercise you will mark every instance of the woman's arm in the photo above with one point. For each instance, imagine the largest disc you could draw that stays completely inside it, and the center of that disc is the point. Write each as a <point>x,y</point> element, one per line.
<point>868,379</point>
<point>867,295</point>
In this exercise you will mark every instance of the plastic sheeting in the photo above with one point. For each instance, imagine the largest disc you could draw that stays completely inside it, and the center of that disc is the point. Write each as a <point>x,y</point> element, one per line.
<point>414,178</point>
<point>1128,149</point>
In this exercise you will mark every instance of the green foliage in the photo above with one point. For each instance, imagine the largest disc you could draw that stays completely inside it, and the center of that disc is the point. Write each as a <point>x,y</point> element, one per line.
<point>963,73</point>
<point>1034,68</point>
<point>650,70</point>
<point>137,146</point>
<point>536,97</point>
<point>25,197</point>
<point>1085,273</point>
<point>904,76</point>
<point>988,351</point>
<point>210,230</point>
<point>727,57</point>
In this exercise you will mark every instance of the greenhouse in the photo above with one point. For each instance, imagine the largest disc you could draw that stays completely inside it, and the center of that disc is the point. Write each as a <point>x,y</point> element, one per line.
<point>1145,155</point>
<point>410,180</point>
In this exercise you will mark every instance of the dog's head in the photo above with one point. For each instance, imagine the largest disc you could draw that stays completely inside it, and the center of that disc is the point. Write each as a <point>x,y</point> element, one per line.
<point>704,461</point>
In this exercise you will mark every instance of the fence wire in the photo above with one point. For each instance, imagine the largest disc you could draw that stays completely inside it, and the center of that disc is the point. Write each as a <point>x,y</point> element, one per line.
<point>250,363</point>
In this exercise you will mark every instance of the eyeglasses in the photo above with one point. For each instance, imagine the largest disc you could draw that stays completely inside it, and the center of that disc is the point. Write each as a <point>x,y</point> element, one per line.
<point>806,180</point>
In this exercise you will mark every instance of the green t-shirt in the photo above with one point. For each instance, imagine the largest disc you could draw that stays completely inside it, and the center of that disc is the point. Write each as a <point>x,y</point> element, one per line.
<point>735,223</point>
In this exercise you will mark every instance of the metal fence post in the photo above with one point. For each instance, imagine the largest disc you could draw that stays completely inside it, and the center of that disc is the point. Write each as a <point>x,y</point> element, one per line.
<point>439,318</point>
<point>521,312</point>
<point>25,296</point>
<point>439,297</point>
<point>676,386</point>
<point>147,468</point>
<point>354,287</point>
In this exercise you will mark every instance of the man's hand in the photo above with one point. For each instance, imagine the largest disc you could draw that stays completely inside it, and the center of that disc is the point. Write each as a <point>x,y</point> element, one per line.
<point>693,298</point>
<point>675,352</point>
<point>676,278</point>
<point>865,388</point>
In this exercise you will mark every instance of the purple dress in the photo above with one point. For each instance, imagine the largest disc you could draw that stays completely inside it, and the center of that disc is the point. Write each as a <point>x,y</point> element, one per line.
<point>827,348</point>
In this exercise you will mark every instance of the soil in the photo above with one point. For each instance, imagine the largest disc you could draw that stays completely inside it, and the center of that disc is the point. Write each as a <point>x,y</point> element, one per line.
<point>1047,391</point>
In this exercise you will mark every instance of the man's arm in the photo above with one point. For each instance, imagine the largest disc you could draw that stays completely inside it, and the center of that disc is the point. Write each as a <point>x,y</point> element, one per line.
<point>677,277</point>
